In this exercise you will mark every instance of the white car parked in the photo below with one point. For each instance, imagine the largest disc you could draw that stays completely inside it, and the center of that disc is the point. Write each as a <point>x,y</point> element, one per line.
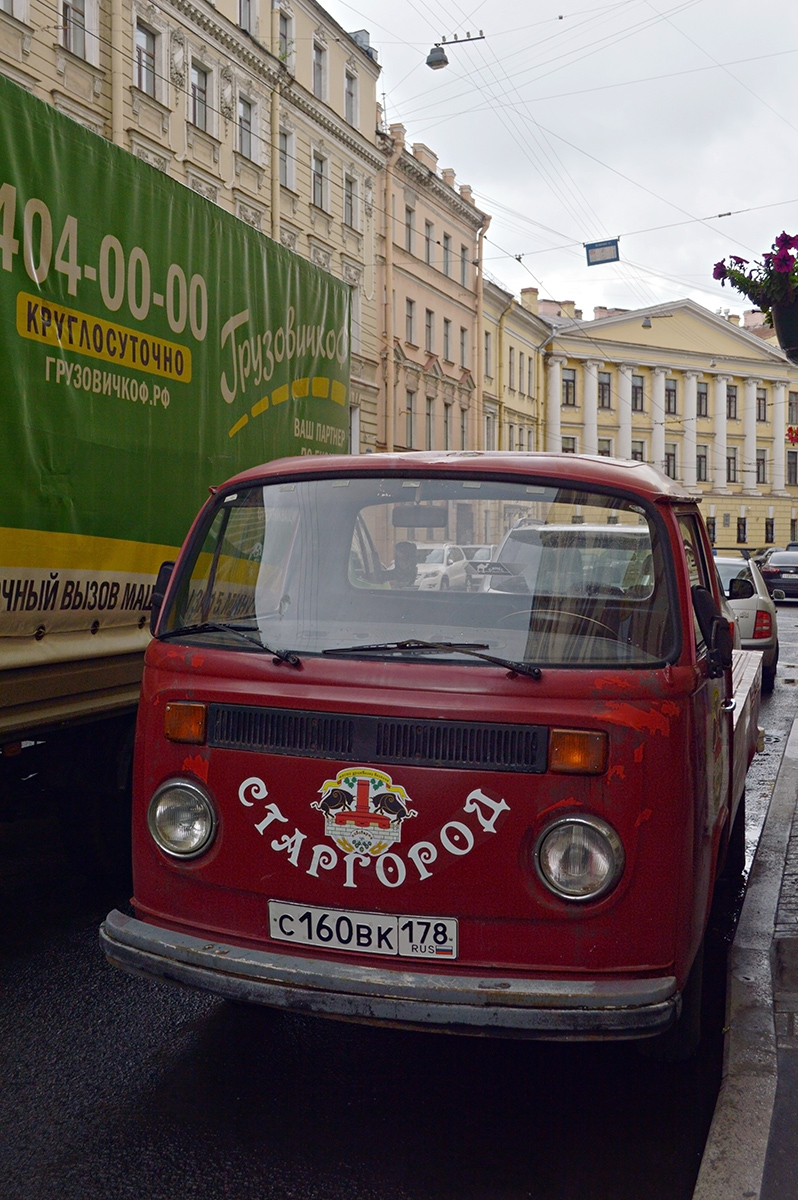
<point>441,567</point>
<point>754,612</point>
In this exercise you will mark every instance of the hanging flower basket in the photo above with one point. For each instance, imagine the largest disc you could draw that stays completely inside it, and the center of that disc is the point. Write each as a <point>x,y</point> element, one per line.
<point>785,322</point>
<point>772,285</point>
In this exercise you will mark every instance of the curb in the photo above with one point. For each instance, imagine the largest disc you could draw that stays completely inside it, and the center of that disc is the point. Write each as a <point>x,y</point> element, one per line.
<point>733,1162</point>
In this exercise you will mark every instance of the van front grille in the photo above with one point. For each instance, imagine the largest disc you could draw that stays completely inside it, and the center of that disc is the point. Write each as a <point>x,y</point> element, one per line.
<point>366,739</point>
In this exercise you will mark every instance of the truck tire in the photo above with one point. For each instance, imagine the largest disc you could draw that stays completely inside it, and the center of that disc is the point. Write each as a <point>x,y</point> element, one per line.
<point>734,862</point>
<point>769,674</point>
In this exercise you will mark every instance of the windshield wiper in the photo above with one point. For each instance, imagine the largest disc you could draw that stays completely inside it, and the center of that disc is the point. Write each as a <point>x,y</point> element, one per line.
<point>242,631</point>
<point>414,646</point>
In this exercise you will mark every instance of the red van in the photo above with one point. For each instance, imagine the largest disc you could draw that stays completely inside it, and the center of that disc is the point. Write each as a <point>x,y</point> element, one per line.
<point>494,806</point>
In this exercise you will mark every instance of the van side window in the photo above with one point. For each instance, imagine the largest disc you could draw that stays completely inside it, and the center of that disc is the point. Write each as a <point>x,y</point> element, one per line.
<point>696,565</point>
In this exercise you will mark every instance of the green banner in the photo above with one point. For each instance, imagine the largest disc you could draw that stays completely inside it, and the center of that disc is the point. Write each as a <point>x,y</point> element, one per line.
<point>151,346</point>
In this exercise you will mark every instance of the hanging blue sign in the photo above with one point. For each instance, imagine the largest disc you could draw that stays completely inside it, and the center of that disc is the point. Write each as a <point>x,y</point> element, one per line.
<point>602,252</point>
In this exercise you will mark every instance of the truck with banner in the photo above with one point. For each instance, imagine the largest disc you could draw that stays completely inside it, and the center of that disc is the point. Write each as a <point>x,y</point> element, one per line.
<point>151,346</point>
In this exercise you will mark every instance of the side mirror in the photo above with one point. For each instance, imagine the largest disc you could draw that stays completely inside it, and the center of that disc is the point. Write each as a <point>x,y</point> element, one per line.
<point>716,631</point>
<point>741,589</point>
<point>159,591</point>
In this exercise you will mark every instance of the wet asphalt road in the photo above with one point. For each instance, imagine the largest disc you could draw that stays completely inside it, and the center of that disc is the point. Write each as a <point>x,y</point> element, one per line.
<point>114,1088</point>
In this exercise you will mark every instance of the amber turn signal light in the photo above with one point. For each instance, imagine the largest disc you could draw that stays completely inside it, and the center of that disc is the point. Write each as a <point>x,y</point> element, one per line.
<point>185,722</point>
<point>577,751</point>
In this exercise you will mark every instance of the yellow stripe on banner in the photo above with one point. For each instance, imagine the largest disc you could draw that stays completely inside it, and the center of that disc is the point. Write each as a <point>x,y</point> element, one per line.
<point>320,386</point>
<point>75,551</point>
<point>239,425</point>
<point>338,395</point>
<point>260,407</point>
<point>280,394</point>
<point>300,388</point>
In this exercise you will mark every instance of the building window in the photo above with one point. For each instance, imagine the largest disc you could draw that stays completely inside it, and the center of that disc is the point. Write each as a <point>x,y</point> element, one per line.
<point>447,254</point>
<point>731,466</point>
<point>354,429</point>
<point>318,177</point>
<point>770,529</point>
<point>569,387</point>
<point>429,243</point>
<point>670,398</point>
<point>409,230</point>
<point>447,427</point>
<point>430,425</point>
<point>75,27</point>
<point>244,127</point>
<point>145,60</point>
<point>530,391</point>
<point>464,266</point>
<point>410,401</point>
<point>604,390</point>
<point>488,364</point>
<point>639,451</point>
<point>701,464</point>
<point>792,468</point>
<point>410,321</point>
<point>792,408</point>
<point>350,201</point>
<point>761,404</point>
<point>521,371</point>
<point>447,339</point>
<point>670,460</point>
<point>761,466</point>
<point>711,529</point>
<point>793,529</point>
<point>605,447</point>
<point>511,369</point>
<point>702,399</point>
<point>245,15</point>
<point>731,402</point>
<point>429,331</point>
<point>511,437</point>
<point>463,346</point>
<point>490,431</point>
<point>463,429</point>
<point>199,97</point>
<point>284,37</point>
<point>569,445</point>
<point>350,98</point>
<point>742,531</point>
<point>287,159</point>
<point>319,71</point>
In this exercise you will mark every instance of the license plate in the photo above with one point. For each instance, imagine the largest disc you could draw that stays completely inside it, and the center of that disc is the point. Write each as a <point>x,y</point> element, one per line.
<point>363,933</point>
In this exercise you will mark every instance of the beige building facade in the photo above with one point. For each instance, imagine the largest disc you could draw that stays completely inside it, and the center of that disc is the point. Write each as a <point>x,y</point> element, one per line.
<point>268,111</point>
<point>513,339</point>
<point>430,279</point>
<point>689,391</point>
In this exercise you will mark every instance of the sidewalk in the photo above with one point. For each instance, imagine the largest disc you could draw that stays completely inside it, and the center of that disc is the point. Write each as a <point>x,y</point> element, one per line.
<point>752,1148</point>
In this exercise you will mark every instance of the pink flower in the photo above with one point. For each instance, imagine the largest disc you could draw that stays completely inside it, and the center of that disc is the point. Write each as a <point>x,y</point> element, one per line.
<point>783,262</point>
<point>785,242</point>
<point>738,262</point>
<point>720,271</point>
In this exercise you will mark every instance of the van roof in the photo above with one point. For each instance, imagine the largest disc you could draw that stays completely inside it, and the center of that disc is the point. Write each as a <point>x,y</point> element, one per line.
<point>624,474</point>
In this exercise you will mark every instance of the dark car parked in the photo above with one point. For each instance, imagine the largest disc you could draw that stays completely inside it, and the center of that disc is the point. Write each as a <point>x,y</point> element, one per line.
<point>780,573</point>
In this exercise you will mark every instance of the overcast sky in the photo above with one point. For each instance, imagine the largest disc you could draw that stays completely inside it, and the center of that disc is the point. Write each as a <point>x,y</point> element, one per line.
<point>576,121</point>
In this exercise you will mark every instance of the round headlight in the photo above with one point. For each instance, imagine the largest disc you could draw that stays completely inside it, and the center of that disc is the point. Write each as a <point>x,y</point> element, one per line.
<point>579,858</point>
<point>181,819</point>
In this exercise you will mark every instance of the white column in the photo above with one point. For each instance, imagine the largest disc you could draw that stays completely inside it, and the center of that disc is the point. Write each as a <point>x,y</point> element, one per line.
<point>779,443</point>
<point>553,404</point>
<point>590,406</point>
<point>719,483</point>
<point>624,447</point>
<point>658,417</point>
<point>689,439</point>
<point>749,433</point>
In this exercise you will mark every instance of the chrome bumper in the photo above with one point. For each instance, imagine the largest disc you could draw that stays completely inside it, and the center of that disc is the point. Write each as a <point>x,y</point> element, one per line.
<point>476,1005</point>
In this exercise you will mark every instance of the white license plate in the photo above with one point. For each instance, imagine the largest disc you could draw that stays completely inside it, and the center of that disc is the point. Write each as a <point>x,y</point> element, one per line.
<point>363,933</point>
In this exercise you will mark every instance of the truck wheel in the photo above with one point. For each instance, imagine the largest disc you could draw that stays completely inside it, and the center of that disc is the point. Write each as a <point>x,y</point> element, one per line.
<point>734,863</point>
<point>681,1041</point>
<point>769,674</point>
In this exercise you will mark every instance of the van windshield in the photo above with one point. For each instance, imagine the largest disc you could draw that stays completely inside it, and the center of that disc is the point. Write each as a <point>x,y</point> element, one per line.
<point>553,576</point>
